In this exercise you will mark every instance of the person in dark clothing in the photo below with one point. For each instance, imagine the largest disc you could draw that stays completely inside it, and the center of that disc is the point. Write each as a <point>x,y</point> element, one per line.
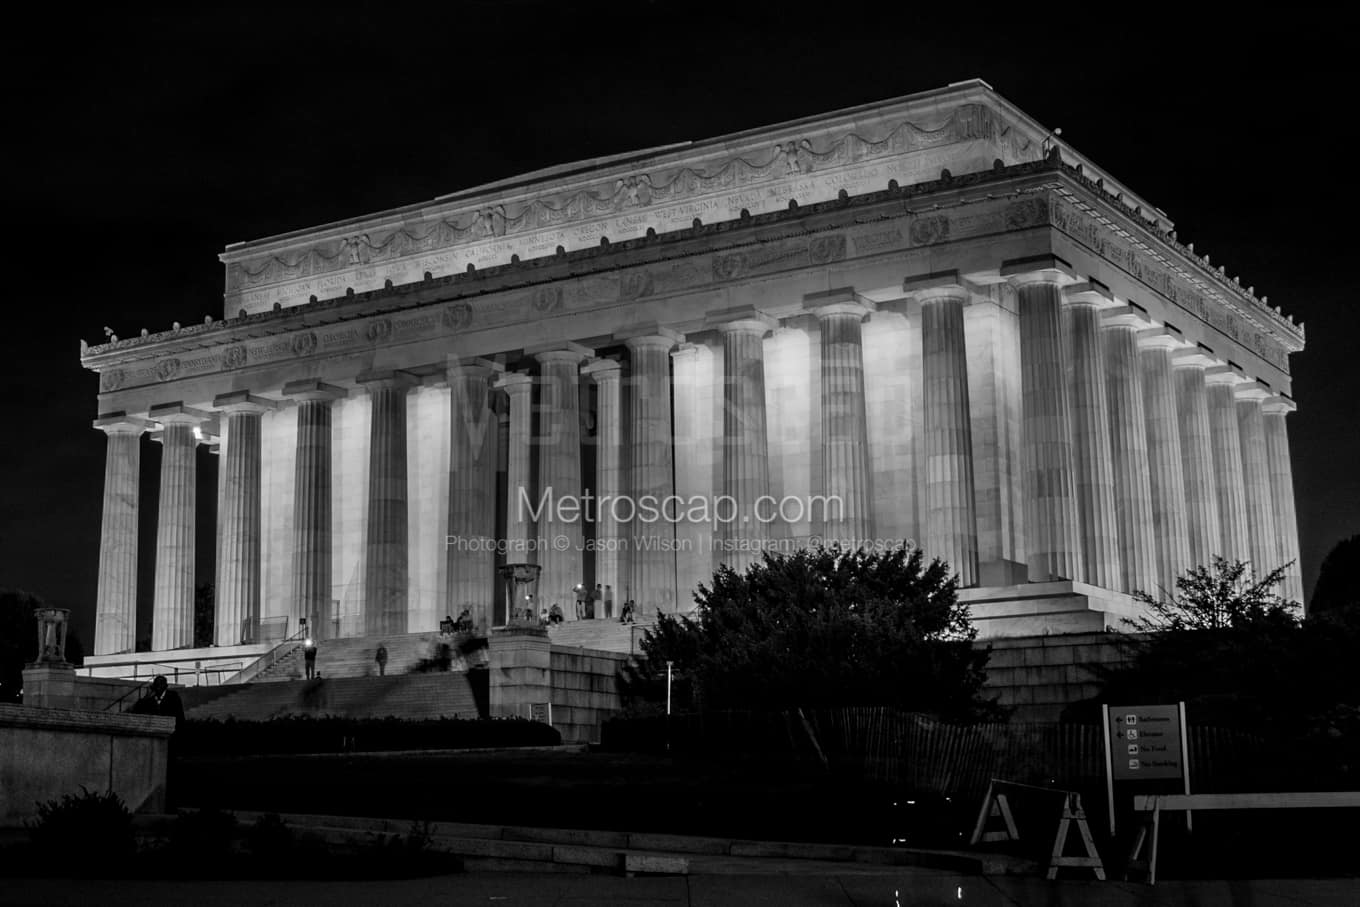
<point>309,657</point>
<point>161,700</point>
<point>381,659</point>
<point>555,613</point>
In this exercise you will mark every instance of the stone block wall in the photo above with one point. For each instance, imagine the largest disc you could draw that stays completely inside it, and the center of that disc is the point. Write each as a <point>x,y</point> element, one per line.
<point>585,691</point>
<point>48,753</point>
<point>1039,676</point>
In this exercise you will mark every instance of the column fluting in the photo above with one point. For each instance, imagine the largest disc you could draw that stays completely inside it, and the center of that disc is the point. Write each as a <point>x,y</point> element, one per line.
<point>115,629</point>
<point>950,524</point>
<point>1129,449</point>
<point>746,467</point>
<point>559,476</point>
<point>1197,458</point>
<point>1091,437</point>
<point>470,546</point>
<point>1235,543</point>
<point>1273,413</point>
<point>172,618</point>
<point>651,466</point>
<point>1251,430</point>
<point>608,480</point>
<point>1166,466</point>
<point>312,485</point>
<point>387,548</point>
<point>237,597</point>
<point>845,435</point>
<point>1051,520</point>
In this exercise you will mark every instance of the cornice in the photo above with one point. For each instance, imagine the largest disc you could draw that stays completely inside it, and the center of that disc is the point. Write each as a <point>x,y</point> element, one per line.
<point>1037,194</point>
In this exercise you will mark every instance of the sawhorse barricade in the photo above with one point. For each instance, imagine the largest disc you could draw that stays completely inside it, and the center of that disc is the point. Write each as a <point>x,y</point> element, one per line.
<point>997,805</point>
<point>1153,804</point>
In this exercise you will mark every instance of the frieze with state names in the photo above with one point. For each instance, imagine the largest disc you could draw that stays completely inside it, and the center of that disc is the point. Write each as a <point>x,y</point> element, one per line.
<point>1039,207</point>
<point>488,235</point>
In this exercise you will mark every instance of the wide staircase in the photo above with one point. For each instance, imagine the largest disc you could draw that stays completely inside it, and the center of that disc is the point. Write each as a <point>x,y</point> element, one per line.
<point>410,696</point>
<point>606,634</point>
<point>354,657</point>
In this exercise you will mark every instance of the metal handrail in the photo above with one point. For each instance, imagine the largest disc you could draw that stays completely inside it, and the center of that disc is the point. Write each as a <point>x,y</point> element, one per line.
<point>119,701</point>
<point>268,659</point>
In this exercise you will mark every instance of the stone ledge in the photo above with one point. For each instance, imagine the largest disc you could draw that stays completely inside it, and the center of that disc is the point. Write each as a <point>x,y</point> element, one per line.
<point>114,723</point>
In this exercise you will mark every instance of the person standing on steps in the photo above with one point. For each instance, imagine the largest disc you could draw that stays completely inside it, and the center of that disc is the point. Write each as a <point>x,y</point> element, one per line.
<point>309,657</point>
<point>381,659</point>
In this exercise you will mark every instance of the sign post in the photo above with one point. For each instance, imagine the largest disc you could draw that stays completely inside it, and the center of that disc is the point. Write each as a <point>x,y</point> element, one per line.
<point>1145,743</point>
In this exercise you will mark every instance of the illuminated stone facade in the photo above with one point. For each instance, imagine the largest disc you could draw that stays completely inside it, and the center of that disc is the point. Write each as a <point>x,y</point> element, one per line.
<point>926,309</point>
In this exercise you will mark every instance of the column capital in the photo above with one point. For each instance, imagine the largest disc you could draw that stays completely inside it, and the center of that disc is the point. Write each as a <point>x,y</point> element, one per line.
<point>1089,292</point>
<point>472,367</point>
<point>603,370</point>
<point>1125,316</point>
<point>243,402</point>
<point>387,379</point>
<point>515,383</point>
<point>1038,269</point>
<point>740,319</point>
<point>839,301</point>
<point>1252,392</point>
<point>1161,338</point>
<point>313,389</point>
<point>1225,374</point>
<point>684,350</point>
<point>559,351</point>
<point>177,412</point>
<point>1192,358</point>
<point>119,422</point>
<point>1279,405</point>
<point>937,286</point>
<point>652,334</point>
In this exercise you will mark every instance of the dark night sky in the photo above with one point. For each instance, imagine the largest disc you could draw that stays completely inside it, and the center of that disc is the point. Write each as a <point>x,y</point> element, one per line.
<point>139,147</point>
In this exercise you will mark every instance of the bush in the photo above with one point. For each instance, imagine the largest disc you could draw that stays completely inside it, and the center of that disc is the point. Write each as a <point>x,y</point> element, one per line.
<point>204,836</point>
<point>85,834</point>
<point>305,734</point>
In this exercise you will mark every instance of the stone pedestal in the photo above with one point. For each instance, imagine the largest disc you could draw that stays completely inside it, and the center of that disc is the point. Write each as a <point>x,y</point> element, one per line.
<point>50,686</point>
<point>521,670</point>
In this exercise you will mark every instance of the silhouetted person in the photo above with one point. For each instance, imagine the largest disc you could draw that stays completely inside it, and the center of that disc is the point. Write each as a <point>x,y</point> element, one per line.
<point>464,624</point>
<point>555,613</point>
<point>161,700</point>
<point>627,616</point>
<point>309,657</point>
<point>381,659</point>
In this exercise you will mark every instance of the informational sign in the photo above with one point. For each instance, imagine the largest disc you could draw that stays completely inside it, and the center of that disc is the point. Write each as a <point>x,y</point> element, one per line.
<point>1145,742</point>
<point>540,711</point>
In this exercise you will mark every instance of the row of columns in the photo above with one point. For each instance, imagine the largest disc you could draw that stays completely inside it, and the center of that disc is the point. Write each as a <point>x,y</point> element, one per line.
<point>1141,457</point>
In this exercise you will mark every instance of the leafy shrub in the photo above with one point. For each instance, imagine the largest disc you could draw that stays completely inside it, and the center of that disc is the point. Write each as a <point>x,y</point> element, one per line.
<point>86,833</point>
<point>204,835</point>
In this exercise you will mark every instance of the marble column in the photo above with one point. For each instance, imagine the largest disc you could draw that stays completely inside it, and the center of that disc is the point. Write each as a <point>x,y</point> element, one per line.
<point>1129,449</point>
<point>518,389</point>
<point>950,523</point>
<point>386,544</point>
<point>651,467</point>
<point>1235,543</point>
<point>172,618</point>
<point>1166,469</point>
<point>745,500</point>
<point>115,627</point>
<point>1197,458</point>
<point>312,582</point>
<point>1091,436</point>
<point>1251,430</point>
<point>1052,529</point>
<point>845,434</point>
<point>1273,413</point>
<point>237,596</point>
<point>470,547</point>
<point>559,475</point>
<point>608,480</point>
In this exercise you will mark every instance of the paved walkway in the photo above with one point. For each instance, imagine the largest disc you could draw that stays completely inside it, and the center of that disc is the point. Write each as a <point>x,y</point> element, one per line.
<point>863,887</point>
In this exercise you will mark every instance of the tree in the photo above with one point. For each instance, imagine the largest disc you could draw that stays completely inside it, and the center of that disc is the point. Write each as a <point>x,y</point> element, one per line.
<point>1226,595</point>
<point>824,627</point>
<point>1338,582</point>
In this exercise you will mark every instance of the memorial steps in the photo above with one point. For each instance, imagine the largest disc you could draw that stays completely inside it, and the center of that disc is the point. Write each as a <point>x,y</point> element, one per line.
<point>605,635</point>
<point>410,696</point>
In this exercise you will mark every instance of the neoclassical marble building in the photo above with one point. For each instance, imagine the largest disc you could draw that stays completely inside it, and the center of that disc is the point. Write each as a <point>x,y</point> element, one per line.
<point>928,309</point>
